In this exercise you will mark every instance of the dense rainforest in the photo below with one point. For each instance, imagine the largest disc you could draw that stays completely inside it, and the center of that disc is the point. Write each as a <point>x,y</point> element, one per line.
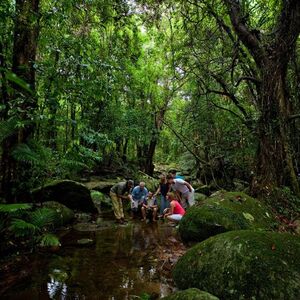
<point>211,86</point>
<point>131,88</point>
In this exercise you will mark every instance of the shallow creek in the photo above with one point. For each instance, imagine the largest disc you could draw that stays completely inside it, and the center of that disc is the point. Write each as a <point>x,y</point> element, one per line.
<point>123,262</point>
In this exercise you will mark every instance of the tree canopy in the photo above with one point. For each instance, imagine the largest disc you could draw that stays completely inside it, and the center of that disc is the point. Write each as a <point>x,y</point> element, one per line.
<point>209,86</point>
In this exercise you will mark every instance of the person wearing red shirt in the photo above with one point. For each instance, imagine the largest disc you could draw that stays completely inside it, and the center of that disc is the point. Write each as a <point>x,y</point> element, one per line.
<point>176,211</point>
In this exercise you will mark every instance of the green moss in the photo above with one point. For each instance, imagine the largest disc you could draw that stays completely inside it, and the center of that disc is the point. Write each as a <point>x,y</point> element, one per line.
<point>200,197</point>
<point>63,214</point>
<point>70,193</point>
<point>245,265</point>
<point>191,294</point>
<point>101,200</point>
<point>243,203</point>
<point>225,211</point>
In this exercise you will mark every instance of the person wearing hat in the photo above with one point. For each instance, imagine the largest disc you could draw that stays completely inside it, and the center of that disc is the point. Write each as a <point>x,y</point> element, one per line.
<point>119,192</point>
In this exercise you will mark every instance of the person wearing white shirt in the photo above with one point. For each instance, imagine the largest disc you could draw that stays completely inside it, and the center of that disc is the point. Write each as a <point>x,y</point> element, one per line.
<point>187,197</point>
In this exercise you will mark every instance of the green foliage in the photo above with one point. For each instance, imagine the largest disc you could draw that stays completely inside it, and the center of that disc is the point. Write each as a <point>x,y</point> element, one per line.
<point>284,203</point>
<point>12,208</point>
<point>12,77</point>
<point>30,226</point>
<point>145,296</point>
<point>33,153</point>
<point>42,218</point>
<point>10,126</point>
<point>36,222</point>
<point>22,228</point>
<point>119,83</point>
<point>48,240</point>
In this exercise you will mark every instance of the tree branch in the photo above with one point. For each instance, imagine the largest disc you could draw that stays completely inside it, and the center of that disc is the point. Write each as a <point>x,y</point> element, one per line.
<point>248,78</point>
<point>248,38</point>
<point>288,28</point>
<point>185,144</point>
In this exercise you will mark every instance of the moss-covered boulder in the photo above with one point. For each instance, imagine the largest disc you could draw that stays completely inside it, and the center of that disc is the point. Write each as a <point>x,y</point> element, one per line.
<point>101,184</point>
<point>70,193</point>
<point>225,211</point>
<point>243,264</point>
<point>64,215</point>
<point>202,189</point>
<point>200,197</point>
<point>101,201</point>
<point>191,294</point>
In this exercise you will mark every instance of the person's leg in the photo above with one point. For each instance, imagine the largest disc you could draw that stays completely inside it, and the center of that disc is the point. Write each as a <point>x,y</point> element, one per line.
<point>154,214</point>
<point>143,209</point>
<point>164,203</point>
<point>116,206</point>
<point>174,218</point>
<point>184,201</point>
<point>191,198</point>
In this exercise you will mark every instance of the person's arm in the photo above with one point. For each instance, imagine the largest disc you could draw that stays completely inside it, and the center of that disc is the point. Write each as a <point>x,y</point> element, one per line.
<point>158,191</point>
<point>154,204</point>
<point>145,203</point>
<point>178,195</point>
<point>134,194</point>
<point>188,186</point>
<point>170,212</point>
<point>121,193</point>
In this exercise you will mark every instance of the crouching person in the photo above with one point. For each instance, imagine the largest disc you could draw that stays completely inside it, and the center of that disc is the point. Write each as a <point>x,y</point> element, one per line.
<point>117,193</point>
<point>176,211</point>
<point>149,207</point>
<point>138,195</point>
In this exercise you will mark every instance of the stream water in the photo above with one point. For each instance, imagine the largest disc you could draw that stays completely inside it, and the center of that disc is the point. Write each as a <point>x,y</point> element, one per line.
<point>124,262</point>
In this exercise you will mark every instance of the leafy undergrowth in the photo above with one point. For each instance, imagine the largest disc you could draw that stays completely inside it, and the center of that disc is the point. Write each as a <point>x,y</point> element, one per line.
<point>286,208</point>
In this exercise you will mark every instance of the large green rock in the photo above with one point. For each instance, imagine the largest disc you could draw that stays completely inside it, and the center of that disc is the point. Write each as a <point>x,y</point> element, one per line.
<point>100,184</point>
<point>70,193</point>
<point>101,201</point>
<point>243,264</point>
<point>200,197</point>
<point>64,215</point>
<point>224,211</point>
<point>191,294</point>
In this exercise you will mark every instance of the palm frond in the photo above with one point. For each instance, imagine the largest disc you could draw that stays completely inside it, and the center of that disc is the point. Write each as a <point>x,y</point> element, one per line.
<point>12,208</point>
<point>48,240</point>
<point>21,228</point>
<point>42,217</point>
<point>33,153</point>
<point>72,164</point>
<point>10,126</point>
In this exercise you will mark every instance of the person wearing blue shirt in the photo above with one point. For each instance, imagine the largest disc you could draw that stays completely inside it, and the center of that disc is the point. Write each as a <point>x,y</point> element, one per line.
<point>138,194</point>
<point>149,207</point>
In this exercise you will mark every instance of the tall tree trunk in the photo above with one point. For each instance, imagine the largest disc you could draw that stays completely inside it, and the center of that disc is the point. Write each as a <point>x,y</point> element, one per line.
<point>24,52</point>
<point>274,156</point>
<point>4,93</point>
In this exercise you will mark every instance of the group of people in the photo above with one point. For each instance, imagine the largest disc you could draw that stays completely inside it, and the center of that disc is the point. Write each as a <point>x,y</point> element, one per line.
<point>176,195</point>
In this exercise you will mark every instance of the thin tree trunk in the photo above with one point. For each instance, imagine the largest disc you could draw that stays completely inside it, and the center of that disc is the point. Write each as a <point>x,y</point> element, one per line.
<point>24,52</point>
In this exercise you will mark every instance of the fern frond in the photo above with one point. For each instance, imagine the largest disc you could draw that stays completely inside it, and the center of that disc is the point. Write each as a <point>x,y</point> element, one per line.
<point>48,240</point>
<point>72,164</point>
<point>21,228</point>
<point>10,127</point>
<point>2,224</point>
<point>24,153</point>
<point>42,217</point>
<point>12,208</point>
<point>33,153</point>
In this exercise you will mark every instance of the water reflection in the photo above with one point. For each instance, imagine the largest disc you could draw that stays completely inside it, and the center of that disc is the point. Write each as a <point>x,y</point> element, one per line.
<point>121,264</point>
